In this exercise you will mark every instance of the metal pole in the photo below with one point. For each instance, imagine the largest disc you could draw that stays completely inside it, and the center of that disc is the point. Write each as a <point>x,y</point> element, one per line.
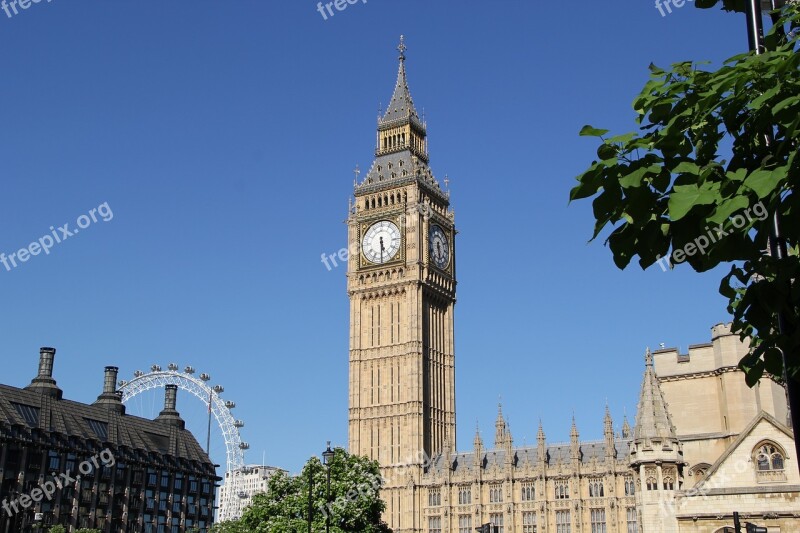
<point>208,436</point>
<point>328,501</point>
<point>755,34</point>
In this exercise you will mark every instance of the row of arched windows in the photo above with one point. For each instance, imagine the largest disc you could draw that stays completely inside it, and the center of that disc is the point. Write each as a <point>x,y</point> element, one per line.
<point>652,483</point>
<point>562,490</point>
<point>596,488</point>
<point>385,200</point>
<point>528,492</point>
<point>394,141</point>
<point>630,487</point>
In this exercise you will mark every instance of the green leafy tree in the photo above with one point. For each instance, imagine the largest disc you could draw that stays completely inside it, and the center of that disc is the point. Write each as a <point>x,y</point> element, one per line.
<point>57,529</point>
<point>715,156</point>
<point>354,505</point>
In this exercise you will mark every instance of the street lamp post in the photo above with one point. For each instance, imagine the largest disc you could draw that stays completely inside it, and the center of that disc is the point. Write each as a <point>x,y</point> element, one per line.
<point>755,35</point>
<point>327,459</point>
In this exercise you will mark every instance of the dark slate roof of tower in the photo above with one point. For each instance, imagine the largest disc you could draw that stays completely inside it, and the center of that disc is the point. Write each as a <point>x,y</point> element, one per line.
<point>652,416</point>
<point>399,168</point>
<point>401,106</point>
<point>69,419</point>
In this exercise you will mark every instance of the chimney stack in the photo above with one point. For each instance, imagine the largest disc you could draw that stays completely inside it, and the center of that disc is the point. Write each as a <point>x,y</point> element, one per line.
<point>170,414</point>
<point>44,382</point>
<point>109,396</point>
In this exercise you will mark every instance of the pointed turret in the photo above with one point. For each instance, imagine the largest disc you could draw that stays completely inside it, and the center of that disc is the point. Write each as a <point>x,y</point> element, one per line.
<point>652,418</point>
<point>608,434</point>
<point>499,428</point>
<point>655,452</point>
<point>626,428</point>
<point>508,446</point>
<point>574,443</point>
<point>401,106</point>
<point>477,444</point>
<point>541,444</point>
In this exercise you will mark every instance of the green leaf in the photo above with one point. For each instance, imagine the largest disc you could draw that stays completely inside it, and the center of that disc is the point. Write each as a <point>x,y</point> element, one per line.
<point>762,182</point>
<point>724,211</point>
<point>685,197</point>
<point>589,131</point>
<point>783,104</point>
<point>686,167</point>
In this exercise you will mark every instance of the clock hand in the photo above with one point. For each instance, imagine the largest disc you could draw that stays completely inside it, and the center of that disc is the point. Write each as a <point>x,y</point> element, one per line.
<point>381,240</point>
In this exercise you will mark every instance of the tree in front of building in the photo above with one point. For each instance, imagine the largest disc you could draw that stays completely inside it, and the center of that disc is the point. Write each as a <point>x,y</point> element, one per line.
<point>715,156</point>
<point>354,504</point>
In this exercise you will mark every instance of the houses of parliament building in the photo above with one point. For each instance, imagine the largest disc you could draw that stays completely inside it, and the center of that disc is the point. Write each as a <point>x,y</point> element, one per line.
<point>703,444</point>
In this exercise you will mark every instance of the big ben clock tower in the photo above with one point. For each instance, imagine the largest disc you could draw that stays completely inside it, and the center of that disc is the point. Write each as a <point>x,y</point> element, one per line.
<point>401,285</point>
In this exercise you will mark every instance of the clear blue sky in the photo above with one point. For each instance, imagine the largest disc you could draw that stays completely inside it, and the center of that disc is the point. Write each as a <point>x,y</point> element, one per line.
<point>223,137</point>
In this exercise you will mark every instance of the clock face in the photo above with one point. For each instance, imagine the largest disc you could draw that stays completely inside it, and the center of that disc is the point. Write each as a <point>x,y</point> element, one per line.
<point>381,242</point>
<point>440,248</point>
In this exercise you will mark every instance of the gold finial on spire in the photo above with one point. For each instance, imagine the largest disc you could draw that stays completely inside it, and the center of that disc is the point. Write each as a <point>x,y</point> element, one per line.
<point>402,48</point>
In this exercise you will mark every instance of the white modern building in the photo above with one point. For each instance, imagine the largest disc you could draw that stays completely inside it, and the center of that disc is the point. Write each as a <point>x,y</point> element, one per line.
<point>238,488</point>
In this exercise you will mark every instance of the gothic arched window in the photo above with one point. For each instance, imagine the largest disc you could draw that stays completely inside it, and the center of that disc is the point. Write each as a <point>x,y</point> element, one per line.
<point>630,487</point>
<point>652,484</point>
<point>769,457</point>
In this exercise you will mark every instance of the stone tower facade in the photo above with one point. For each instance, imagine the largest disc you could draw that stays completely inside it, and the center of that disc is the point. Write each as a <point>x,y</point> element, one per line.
<point>703,444</point>
<point>401,284</point>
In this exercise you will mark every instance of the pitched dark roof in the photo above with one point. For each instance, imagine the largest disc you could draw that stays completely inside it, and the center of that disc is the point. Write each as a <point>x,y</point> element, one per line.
<point>100,423</point>
<point>555,453</point>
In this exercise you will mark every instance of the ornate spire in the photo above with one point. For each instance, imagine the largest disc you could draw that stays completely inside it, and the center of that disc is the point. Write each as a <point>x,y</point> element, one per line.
<point>401,106</point>
<point>652,417</point>
<point>608,424</point>
<point>626,428</point>
<point>477,443</point>
<point>574,446</point>
<point>541,447</point>
<point>499,428</point>
<point>477,440</point>
<point>608,432</point>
